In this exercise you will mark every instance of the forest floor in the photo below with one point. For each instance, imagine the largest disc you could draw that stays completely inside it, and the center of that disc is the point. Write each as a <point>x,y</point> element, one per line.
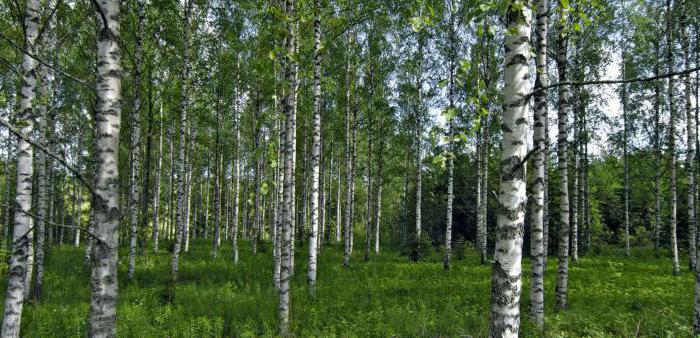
<point>609,296</point>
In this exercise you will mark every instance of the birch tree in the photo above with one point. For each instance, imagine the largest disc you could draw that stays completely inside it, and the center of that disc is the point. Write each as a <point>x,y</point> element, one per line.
<point>672,137</point>
<point>156,189</point>
<point>690,159</point>
<point>184,105</point>
<point>539,166</point>
<point>135,146</point>
<point>45,119</point>
<point>103,282</point>
<point>287,244</point>
<point>450,133</point>
<point>316,150</point>
<point>350,115</point>
<point>564,108</point>
<point>506,272</point>
<point>18,260</point>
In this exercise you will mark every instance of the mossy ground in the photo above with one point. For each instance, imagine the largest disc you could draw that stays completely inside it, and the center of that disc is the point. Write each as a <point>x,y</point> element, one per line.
<point>610,296</point>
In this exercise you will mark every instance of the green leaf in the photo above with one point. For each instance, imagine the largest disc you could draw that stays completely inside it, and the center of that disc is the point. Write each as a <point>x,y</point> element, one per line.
<point>416,23</point>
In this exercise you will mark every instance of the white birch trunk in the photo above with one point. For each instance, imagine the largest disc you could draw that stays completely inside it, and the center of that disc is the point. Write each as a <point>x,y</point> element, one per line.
<point>539,168</point>
<point>21,237</point>
<point>315,151</point>
<point>564,108</point>
<point>103,306</point>
<point>180,222</point>
<point>287,244</point>
<point>672,138</point>
<point>512,198</point>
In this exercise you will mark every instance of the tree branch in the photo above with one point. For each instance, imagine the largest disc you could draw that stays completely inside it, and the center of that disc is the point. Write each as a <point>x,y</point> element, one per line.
<point>48,152</point>
<point>611,81</point>
<point>61,225</point>
<point>44,63</point>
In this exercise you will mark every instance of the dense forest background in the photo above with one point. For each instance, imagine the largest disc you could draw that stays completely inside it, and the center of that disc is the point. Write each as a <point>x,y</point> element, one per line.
<point>152,137</point>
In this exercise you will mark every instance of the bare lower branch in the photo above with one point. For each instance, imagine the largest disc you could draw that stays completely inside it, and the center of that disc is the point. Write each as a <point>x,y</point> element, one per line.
<point>44,63</point>
<point>60,225</point>
<point>48,152</point>
<point>612,81</point>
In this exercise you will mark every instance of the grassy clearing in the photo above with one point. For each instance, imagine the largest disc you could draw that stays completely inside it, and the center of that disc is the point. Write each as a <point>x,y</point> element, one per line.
<point>609,296</point>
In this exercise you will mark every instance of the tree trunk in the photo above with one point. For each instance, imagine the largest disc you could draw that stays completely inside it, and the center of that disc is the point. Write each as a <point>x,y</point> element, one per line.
<point>156,189</point>
<point>338,207</point>
<point>539,166</point>
<point>19,255</point>
<point>277,247</point>
<point>135,146</point>
<point>657,155</point>
<point>564,108</point>
<point>190,157</point>
<point>380,182</point>
<point>78,214</point>
<point>217,189</point>
<point>419,139</point>
<point>450,135</point>
<point>236,163</point>
<point>350,113</point>
<point>103,306</point>
<point>315,151</point>
<point>368,224</point>
<point>690,132</point>
<point>484,188</point>
<point>624,150</point>
<point>180,222</point>
<point>573,203</point>
<point>672,137</point>
<point>506,271</point>
<point>290,74</point>
<point>8,193</point>
<point>45,119</point>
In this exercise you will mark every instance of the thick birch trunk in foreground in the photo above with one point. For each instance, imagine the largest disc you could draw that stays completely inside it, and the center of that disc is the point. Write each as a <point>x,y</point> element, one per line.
<point>538,167</point>
<point>17,267</point>
<point>103,307</point>
<point>506,272</point>
<point>180,222</point>
<point>564,107</point>
<point>315,151</point>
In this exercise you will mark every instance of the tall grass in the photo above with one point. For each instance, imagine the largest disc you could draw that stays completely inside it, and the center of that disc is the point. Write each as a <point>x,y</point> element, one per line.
<point>389,296</point>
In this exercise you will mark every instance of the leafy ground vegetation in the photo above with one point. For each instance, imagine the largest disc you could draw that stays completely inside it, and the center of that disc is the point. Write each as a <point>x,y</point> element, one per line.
<point>389,296</point>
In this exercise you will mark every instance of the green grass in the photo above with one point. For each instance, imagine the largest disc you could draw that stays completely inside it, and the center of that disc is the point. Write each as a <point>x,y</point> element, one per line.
<point>609,296</point>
